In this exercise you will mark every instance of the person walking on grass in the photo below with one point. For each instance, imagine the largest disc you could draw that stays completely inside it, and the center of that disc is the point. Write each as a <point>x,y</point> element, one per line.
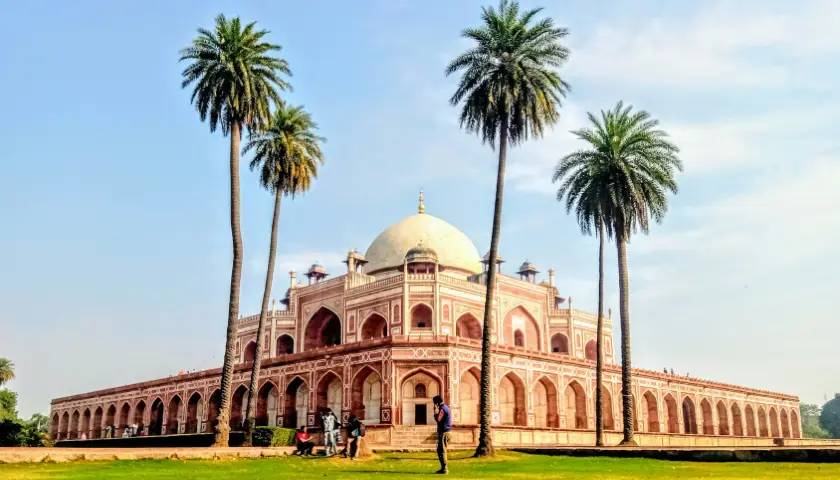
<point>354,434</point>
<point>443,417</point>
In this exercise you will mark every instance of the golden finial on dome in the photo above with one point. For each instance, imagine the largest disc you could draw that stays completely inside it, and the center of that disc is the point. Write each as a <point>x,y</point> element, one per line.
<point>421,206</point>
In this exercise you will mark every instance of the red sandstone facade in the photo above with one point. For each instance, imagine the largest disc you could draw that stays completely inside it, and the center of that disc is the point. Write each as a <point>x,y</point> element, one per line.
<point>381,340</point>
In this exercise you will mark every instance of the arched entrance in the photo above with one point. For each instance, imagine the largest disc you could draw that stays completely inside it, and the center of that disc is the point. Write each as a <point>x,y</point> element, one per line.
<point>417,392</point>
<point>296,404</point>
<point>689,416</point>
<point>173,417</point>
<point>723,419</point>
<point>250,352</point>
<point>97,423</point>
<point>238,403</point>
<point>607,409</point>
<point>323,330</point>
<point>328,393</point>
<point>708,419</point>
<point>468,326</point>
<point>591,350</point>
<point>774,423</point>
<point>421,317</point>
<point>560,344</point>
<point>214,406</point>
<point>749,415</point>
<point>468,396</point>
<point>575,400</point>
<point>63,428</point>
<point>785,424</point>
<point>122,422</point>
<point>156,418</point>
<point>110,420</point>
<point>366,396</point>
<point>544,403</point>
<point>652,410</point>
<point>794,424</point>
<point>673,418</point>
<point>519,320</point>
<point>54,427</point>
<point>285,345</point>
<point>139,415</point>
<point>74,425</point>
<point>374,327</point>
<point>85,430</point>
<point>194,413</point>
<point>737,422</point>
<point>267,402</point>
<point>762,422</point>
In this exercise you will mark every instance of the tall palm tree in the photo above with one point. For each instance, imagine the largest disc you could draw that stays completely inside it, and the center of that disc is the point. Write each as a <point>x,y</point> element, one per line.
<point>7,370</point>
<point>236,76</point>
<point>509,90</point>
<point>585,186</point>
<point>636,164</point>
<point>287,154</point>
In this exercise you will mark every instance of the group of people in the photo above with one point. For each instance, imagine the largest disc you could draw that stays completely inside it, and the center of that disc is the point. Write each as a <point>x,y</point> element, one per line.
<point>355,430</point>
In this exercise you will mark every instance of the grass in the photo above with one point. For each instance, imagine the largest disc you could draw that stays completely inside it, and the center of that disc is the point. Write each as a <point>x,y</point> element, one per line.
<point>413,465</point>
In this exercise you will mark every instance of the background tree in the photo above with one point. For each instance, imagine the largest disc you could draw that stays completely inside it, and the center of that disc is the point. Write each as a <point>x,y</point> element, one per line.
<point>7,370</point>
<point>810,415</point>
<point>508,91</point>
<point>235,79</point>
<point>640,164</point>
<point>585,186</point>
<point>287,155</point>
<point>8,404</point>
<point>830,416</point>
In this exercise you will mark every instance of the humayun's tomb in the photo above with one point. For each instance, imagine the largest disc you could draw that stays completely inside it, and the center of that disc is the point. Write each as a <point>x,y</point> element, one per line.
<point>402,324</point>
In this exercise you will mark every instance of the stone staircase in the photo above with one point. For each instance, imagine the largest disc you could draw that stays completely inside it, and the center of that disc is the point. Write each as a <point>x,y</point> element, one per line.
<point>413,436</point>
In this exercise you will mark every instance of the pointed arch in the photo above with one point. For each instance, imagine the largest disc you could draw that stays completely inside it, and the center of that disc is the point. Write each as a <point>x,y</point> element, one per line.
<point>322,330</point>
<point>762,422</point>
<point>519,319</point>
<point>673,418</point>
<point>749,416</point>
<point>97,423</point>
<point>194,413</point>
<point>774,422</point>
<point>785,425</point>
<point>250,352</point>
<point>366,395</point>
<point>238,403</point>
<point>74,425</point>
<point>607,416</point>
<point>512,400</point>
<point>111,419</point>
<point>708,419</point>
<point>374,326</point>
<point>64,426</point>
<point>85,430</point>
<point>421,317</point>
<point>468,326</point>
<point>139,415</point>
<point>794,424</point>
<point>54,426</point>
<point>285,345</point>
<point>560,344</point>
<point>214,406</point>
<point>723,418</point>
<point>591,350</point>
<point>156,417</point>
<point>296,403</point>
<point>469,396</point>
<point>417,409</point>
<point>652,409</point>
<point>689,416</point>
<point>737,421</point>
<point>328,393</point>
<point>268,398</point>
<point>575,400</point>
<point>544,404</point>
<point>173,415</point>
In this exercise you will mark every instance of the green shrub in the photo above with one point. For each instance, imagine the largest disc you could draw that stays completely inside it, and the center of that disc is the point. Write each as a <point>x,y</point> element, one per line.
<point>273,437</point>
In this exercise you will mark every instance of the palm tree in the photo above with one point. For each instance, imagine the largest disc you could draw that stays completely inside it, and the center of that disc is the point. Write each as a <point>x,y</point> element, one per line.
<point>510,91</point>
<point>287,154</point>
<point>586,186</point>
<point>236,78</point>
<point>7,370</point>
<point>635,166</point>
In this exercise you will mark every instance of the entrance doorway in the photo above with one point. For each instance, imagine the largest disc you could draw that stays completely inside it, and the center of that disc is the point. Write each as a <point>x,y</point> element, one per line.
<point>420,414</point>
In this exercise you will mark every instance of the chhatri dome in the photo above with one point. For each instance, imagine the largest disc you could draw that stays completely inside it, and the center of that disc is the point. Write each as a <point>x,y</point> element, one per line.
<point>453,248</point>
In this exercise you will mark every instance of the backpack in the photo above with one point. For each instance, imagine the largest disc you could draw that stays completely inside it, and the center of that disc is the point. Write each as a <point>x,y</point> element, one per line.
<point>361,429</point>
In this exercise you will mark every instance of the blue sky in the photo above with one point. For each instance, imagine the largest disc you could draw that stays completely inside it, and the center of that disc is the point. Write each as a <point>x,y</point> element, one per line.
<point>113,193</point>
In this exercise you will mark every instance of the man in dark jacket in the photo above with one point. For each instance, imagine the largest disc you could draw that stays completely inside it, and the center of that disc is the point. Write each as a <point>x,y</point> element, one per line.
<point>443,417</point>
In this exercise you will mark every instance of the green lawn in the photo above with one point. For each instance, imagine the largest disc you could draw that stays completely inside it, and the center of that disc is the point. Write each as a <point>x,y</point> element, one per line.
<point>410,465</point>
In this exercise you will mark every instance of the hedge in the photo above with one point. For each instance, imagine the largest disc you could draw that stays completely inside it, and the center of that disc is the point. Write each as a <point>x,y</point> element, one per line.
<point>273,437</point>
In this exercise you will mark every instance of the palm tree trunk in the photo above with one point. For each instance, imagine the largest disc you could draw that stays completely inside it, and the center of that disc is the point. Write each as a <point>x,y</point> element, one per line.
<point>223,426</point>
<point>624,310</point>
<point>269,277</point>
<point>599,345</point>
<point>485,440</point>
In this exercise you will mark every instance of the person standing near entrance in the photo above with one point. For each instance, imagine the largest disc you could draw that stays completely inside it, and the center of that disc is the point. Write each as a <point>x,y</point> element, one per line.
<point>443,417</point>
<point>330,422</point>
